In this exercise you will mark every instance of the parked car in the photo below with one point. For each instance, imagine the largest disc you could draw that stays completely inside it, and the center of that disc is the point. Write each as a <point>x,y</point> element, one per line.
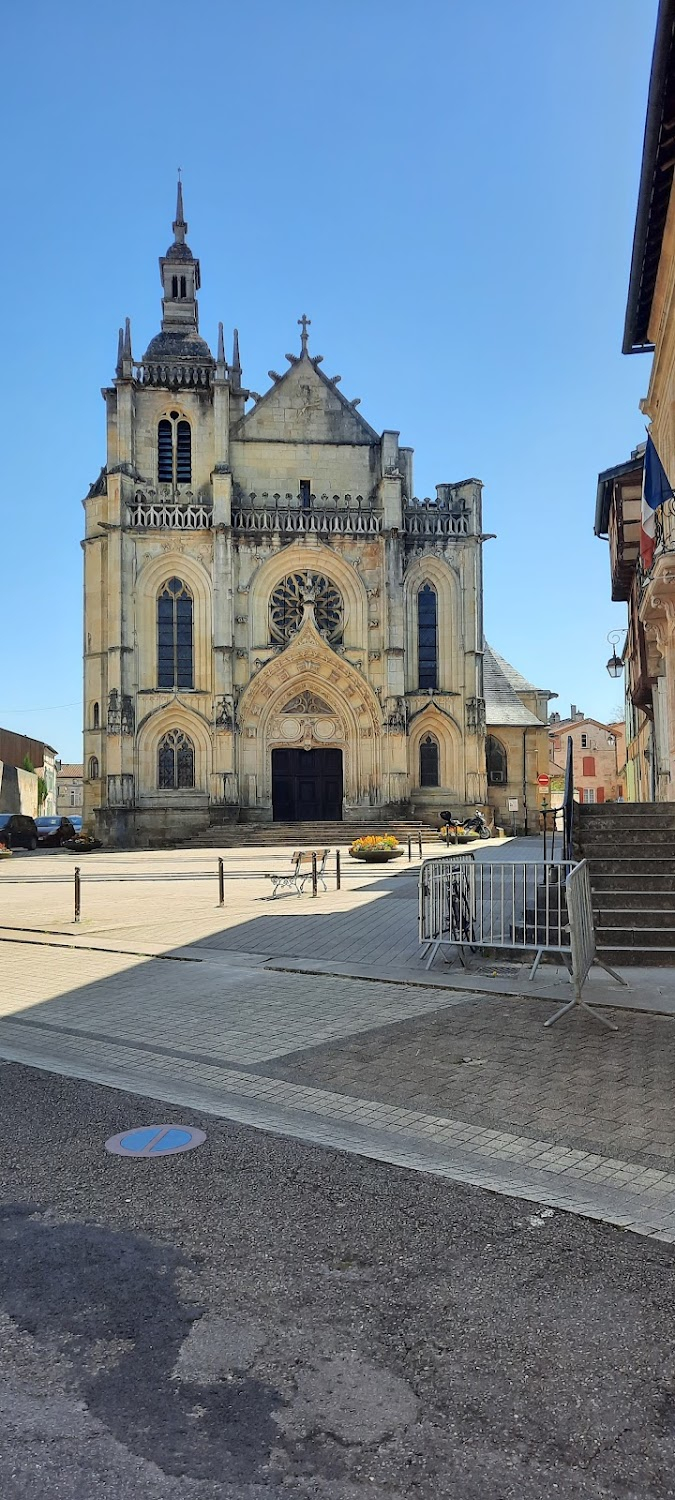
<point>53,831</point>
<point>17,831</point>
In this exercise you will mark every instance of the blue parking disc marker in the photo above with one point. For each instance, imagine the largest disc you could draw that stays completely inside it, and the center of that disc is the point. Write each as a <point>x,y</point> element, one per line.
<point>155,1140</point>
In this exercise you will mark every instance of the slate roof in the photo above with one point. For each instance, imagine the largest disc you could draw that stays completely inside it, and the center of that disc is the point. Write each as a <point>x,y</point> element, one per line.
<point>502,704</point>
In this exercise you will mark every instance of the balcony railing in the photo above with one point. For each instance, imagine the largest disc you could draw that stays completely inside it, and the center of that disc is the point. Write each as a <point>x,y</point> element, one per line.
<point>664,543</point>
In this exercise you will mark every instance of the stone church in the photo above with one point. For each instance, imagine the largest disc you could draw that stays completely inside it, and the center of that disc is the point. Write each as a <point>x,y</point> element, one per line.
<point>275,627</point>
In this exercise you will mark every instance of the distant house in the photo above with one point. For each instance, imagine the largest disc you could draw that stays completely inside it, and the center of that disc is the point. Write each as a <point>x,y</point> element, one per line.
<point>19,790</point>
<point>69,787</point>
<point>599,756</point>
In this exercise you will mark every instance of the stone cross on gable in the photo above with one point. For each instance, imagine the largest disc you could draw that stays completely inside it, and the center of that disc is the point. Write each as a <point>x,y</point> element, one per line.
<point>305,323</point>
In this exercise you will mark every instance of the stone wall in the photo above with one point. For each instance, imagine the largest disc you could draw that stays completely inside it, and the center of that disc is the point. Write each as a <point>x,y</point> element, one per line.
<point>18,790</point>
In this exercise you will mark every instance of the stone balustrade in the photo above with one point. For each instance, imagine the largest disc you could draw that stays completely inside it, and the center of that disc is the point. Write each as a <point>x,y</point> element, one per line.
<point>150,514</point>
<point>425,518</point>
<point>317,521</point>
<point>175,374</point>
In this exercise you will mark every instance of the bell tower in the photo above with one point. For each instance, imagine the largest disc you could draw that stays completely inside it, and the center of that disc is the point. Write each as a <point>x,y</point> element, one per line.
<point>179,270</point>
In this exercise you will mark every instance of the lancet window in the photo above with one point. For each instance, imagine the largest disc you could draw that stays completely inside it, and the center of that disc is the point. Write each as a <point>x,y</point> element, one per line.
<point>427,637</point>
<point>175,653</point>
<point>495,755</point>
<point>429,762</point>
<point>175,762</point>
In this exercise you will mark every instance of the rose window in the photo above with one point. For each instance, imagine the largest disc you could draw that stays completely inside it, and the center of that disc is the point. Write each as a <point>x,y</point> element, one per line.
<point>288,598</point>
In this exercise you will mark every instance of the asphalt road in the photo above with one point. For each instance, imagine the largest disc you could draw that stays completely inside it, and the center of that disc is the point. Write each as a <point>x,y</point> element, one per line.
<point>261,1318</point>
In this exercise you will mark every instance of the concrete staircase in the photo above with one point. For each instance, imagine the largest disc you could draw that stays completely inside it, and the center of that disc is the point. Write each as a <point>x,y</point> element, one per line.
<point>630,848</point>
<point>304,835</point>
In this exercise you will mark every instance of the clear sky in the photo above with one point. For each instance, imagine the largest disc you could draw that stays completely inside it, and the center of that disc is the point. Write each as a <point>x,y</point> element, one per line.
<point>447,189</point>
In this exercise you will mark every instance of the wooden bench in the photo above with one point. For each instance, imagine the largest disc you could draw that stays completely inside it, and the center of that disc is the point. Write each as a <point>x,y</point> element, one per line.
<point>301,871</point>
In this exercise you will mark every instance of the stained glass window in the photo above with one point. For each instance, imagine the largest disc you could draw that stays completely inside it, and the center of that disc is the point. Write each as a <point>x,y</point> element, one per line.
<point>174,636</point>
<point>429,762</point>
<point>288,598</point>
<point>427,637</point>
<point>175,761</point>
<point>495,756</point>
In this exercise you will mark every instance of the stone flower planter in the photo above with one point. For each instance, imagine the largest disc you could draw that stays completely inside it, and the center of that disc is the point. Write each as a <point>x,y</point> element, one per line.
<point>376,856</point>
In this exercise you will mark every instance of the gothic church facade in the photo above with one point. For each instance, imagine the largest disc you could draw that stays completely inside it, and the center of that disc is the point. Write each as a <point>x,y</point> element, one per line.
<point>275,627</point>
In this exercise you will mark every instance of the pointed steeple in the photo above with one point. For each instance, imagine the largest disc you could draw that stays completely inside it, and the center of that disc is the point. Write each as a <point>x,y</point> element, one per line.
<point>221,345</point>
<point>179,225</point>
<point>236,362</point>
<point>179,339</point>
<point>124,368</point>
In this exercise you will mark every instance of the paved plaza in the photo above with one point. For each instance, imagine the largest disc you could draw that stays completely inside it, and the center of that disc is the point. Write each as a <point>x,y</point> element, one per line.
<point>317,1019</point>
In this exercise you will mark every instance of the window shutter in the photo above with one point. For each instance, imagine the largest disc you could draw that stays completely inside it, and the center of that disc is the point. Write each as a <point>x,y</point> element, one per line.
<point>588,765</point>
<point>164,453</point>
<point>183,453</point>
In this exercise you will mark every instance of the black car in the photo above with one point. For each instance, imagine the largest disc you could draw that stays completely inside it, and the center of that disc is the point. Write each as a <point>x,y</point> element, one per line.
<point>17,831</point>
<point>53,831</point>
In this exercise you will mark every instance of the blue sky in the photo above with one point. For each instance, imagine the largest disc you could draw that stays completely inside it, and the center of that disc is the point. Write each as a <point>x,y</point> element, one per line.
<point>447,189</point>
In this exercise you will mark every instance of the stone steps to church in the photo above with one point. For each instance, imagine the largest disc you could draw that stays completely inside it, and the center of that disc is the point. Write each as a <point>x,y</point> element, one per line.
<point>303,835</point>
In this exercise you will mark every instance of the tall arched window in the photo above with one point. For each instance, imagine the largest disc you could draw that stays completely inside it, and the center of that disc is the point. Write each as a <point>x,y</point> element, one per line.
<point>174,636</point>
<point>427,637</point>
<point>96,717</point>
<point>93,768</point>
<point>174,450</point>
<point>429,762</point>
<point>495,755</point>
<point>175,761</point>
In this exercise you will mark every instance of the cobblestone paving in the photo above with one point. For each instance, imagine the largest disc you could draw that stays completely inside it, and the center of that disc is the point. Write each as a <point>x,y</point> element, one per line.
<point>491,1062</point>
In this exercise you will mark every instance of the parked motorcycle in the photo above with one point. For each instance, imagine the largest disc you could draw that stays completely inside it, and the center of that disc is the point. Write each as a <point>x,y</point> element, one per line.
<point>461,832</point>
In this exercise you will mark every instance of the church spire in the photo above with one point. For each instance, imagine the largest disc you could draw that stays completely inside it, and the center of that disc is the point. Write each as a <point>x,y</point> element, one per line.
<point>179,225</point>
<point>179,270</point>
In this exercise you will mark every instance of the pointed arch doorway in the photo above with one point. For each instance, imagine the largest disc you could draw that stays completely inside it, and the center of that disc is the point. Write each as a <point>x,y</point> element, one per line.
<point>307,785</point>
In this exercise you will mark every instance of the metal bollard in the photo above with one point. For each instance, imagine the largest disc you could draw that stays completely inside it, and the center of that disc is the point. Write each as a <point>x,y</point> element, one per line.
<point>221,883</point>
<point>315,886</point>
<point>419,840</point>
<point>78,901</point>
<point>338,880</point>
<point>409,848</point>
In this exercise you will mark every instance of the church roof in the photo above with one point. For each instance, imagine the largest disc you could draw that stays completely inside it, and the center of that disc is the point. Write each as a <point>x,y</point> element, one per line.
<point>515,677</point>
<point>178,345</point>
<point>502,704</point>
<point>332,417</point>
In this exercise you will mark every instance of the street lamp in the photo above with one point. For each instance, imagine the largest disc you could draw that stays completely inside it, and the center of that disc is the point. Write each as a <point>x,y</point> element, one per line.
<point>615,665</point>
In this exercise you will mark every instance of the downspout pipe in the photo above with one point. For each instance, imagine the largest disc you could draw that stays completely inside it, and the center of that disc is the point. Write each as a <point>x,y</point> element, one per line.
<point>525,778</point>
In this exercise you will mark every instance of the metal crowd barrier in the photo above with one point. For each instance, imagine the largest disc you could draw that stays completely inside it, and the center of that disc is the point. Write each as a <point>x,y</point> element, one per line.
<point>520,906</point>
<point>514,904</point>
<point>582,942</point>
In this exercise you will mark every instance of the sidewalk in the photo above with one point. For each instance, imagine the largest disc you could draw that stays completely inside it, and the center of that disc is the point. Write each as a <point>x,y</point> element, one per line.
<point>316,1019</point>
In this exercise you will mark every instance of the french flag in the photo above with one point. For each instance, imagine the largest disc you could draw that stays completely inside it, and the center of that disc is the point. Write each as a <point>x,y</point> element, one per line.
<point>656,489</point>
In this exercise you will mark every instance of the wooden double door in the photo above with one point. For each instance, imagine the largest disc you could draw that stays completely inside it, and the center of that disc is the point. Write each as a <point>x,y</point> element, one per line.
<point>307,786</point>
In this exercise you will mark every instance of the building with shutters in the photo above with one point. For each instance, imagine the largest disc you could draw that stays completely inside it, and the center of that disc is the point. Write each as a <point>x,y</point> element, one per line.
<point>276,627</point>
<point>599,756</point>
